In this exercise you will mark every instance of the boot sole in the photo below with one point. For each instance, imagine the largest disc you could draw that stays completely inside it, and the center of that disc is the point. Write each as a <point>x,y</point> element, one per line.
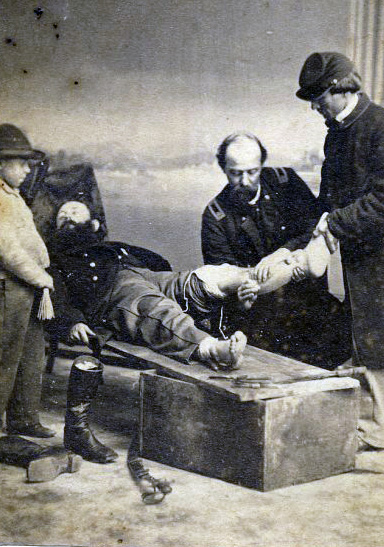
<point>50,467</point>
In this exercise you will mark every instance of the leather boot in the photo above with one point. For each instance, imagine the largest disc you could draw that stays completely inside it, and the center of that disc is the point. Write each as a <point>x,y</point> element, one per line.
<point>42,463</point>
<point>85,377</point>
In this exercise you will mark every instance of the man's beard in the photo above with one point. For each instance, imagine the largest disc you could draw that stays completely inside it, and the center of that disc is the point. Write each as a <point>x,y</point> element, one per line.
<point>72,236</point>
<point>240,196</point>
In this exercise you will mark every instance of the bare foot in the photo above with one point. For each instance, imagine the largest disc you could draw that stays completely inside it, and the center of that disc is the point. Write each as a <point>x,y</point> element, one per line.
<point>223,354</point>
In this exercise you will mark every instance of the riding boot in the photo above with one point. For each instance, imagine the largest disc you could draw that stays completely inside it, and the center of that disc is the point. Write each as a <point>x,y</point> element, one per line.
<point>85,377</point>
<point>42,464</point>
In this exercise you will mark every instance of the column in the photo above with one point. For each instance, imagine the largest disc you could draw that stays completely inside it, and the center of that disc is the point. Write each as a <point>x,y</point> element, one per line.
<point>366,44</point>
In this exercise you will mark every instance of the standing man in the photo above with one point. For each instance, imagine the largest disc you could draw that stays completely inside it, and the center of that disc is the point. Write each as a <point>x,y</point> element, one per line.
<point>23,263</point>
<point>352,202</point>
<point>260,216</point>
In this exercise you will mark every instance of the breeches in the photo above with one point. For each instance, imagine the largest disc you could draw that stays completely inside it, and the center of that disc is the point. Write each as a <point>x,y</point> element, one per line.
<point>150,308</point>
<point>21,352</point>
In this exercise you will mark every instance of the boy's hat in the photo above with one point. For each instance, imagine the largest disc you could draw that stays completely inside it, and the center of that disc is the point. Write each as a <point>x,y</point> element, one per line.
<point>320,72</point>
<point>14,144</point>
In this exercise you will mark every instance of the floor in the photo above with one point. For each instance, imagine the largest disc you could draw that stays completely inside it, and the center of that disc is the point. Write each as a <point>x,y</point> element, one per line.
<point>101,506</point>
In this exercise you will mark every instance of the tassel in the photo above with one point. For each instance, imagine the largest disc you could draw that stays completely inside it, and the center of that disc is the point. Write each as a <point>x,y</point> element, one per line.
<point>45,308</point>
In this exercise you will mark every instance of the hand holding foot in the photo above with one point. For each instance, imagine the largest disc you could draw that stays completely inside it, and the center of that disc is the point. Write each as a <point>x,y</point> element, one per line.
<point>263,269</point>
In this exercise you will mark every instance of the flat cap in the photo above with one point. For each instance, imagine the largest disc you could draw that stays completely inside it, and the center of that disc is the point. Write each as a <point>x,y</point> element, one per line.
<point>320,72</point>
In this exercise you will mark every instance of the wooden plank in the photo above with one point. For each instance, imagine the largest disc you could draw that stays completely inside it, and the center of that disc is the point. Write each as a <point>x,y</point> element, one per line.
<point>256,363</point>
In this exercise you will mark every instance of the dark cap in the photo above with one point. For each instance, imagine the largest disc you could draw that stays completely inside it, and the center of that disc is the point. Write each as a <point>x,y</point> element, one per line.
<point>320,72</point>
<point>14,144</point>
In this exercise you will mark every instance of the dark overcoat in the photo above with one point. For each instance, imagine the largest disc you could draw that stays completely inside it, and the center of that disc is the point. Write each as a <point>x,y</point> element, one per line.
<point>352,189</point>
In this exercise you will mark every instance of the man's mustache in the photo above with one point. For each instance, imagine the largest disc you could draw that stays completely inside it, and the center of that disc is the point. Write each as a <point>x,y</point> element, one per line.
<point>243,193</point>
<point>68,225</point>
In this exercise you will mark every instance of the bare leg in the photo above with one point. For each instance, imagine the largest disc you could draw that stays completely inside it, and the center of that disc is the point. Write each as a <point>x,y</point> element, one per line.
<point>223,280</point>
<point>311,262</point>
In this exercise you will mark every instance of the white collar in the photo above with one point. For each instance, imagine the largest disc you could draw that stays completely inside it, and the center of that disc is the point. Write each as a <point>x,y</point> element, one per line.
<point>257,196</point>
<point>348,109</point>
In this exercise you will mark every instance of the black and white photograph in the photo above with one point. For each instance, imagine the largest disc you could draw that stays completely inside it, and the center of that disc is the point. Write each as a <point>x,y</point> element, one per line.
<point>192,273</point>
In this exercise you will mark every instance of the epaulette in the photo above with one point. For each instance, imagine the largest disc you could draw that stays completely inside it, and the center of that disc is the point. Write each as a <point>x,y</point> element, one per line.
<point>281,174</point>
<point>215,209</point>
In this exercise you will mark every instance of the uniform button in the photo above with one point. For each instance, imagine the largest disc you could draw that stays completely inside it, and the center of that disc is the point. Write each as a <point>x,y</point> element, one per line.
<point>92,264</point>
<point>85,255</point>
<point>95,278</point>
<point>283,227</point>
<point>242,219</point>
<point>119,257</point>
<point>267,197</point>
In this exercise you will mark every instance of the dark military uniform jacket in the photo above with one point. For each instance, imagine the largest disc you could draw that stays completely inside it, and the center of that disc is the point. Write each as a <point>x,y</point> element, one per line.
<point>352,189</point>
<point>85,277</point>
<point>283,321</point>
<point>282,217</point>
<point>352,180</point>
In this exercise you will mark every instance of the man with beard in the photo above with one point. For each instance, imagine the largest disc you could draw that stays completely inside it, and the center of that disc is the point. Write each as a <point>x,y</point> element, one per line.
<point>258,219</point>
<point>104,284</point>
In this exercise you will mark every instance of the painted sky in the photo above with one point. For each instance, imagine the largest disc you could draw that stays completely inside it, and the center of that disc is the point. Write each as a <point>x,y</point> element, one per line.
<point>163,79</point>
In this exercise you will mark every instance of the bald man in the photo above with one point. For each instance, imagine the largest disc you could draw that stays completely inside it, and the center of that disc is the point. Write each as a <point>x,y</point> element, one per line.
<point>257,220</point>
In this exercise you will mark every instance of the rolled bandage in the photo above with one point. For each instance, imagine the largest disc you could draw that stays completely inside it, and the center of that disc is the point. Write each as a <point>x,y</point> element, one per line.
<point>45,308</point>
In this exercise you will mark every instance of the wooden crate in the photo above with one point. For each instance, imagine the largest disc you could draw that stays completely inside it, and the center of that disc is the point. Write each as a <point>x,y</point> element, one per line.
<point>263,438</point>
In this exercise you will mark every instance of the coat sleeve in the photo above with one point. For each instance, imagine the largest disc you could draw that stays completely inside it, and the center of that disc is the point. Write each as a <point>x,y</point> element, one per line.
<point>214,241</point>
<point>302,208</point>
<point>66,315</point>
<point>363,219</point>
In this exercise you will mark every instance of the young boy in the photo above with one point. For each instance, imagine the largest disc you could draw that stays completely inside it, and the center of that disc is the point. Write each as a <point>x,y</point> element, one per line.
<point>23,260</point>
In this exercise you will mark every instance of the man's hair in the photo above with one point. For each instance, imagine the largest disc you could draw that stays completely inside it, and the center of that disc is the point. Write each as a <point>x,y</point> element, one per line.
<point>351,83</point>
<point>222,150</point>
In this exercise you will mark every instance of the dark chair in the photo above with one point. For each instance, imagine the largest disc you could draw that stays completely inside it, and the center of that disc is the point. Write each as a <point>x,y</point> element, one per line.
<point>46,191</point>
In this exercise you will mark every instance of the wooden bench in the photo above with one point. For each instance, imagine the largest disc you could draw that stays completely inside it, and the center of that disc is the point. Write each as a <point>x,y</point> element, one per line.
<point>295,430</point>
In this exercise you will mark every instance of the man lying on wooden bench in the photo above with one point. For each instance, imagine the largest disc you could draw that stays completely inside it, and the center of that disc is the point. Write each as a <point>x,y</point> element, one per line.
<point>101,283</point>
<point>97,283</point>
